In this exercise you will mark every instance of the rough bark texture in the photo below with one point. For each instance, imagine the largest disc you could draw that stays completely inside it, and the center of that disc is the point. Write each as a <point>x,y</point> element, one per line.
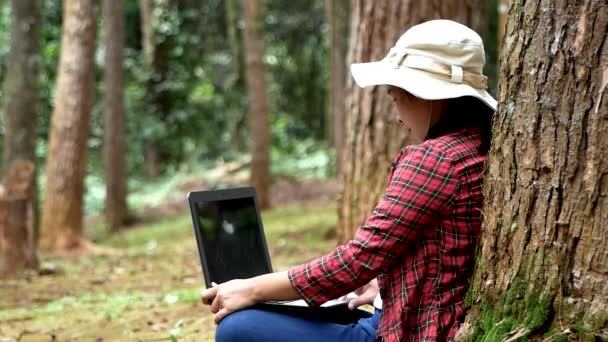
<point>338,13</point>
<point>114,152</point>
<point>62,224</point>
<point>20,106</point>
<point>503,9</point>
<point>156,57</point>
<point>543,266</point>
<point>259,126</point>
<point>372,134</point>
<point>17,244</point>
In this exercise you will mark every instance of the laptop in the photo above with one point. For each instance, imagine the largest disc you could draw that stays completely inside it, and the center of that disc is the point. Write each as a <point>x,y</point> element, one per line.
<point>232,245</point>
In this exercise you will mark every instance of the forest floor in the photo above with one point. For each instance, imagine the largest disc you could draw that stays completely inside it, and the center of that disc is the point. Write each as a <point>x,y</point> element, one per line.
<point>148,290</point>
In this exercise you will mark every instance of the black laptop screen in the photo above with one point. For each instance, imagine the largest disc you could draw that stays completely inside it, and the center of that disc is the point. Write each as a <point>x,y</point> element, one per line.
<point>232,239</point>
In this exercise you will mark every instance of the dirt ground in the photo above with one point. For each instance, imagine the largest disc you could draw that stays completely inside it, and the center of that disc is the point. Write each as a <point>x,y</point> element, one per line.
<point>148,290</point>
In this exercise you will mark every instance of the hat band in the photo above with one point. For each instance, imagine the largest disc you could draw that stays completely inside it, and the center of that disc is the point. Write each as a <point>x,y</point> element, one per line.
<point>444,71</point>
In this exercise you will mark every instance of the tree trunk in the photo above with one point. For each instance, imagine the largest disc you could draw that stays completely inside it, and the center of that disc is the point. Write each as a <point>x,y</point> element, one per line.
<point>372,134</point>
<point>233,38</point>
<point>259,127</point>
<point>62,216</point>
<point>115,151</point>
<point>338,17</point>
<point>543,265</point>
<point>17,244</point>
<point>503,9</point>
<point>156,58</point>
<point>20,95</point>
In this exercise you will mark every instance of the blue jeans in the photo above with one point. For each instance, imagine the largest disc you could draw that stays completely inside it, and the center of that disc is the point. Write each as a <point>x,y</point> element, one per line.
<point>259,325</point>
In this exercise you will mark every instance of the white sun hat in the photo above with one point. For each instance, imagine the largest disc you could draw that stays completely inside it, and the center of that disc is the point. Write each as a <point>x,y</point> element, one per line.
<point>438,59</point>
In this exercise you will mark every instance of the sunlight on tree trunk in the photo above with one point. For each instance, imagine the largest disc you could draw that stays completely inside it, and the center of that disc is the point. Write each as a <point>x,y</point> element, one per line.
<point>115,151</point>
<point>259,125</point>
<point>373,136</point>
<point>62,216</point>
<point>543,266</point>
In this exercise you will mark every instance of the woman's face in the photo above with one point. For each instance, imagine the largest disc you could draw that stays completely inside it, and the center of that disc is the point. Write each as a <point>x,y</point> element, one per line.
<point>415,113</point>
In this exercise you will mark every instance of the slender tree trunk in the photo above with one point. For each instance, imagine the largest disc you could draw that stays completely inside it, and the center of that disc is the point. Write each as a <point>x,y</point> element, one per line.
<point>372,134</point>
<point>156,57</point>
<point>20,106</point>
<point>259,127</point>
<point>233,37</point>
<point>17,245</point>
<point>21,83</point>
<point>62,216</point>
<point>238,124</point>
<point>543,265</point>
<point>338,12</point>
<point>115,151</point>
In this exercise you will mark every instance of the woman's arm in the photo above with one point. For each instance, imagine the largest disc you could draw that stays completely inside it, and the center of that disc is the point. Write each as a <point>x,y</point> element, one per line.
<point>239,294</point>
<point>422,186</point>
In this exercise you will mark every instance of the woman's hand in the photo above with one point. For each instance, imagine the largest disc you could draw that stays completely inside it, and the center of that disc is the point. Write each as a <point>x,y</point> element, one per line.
<point>229,297</point>
<point>240,294</point>
<point>367,294</point>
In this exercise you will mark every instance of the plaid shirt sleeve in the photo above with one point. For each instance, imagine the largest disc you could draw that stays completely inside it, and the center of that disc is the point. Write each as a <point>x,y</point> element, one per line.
<point>421,187</point>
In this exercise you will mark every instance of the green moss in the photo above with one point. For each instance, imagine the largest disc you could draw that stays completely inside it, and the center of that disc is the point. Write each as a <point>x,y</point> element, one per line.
<point>513,298</point>
<point>539,310</point>
<point>599,322</point>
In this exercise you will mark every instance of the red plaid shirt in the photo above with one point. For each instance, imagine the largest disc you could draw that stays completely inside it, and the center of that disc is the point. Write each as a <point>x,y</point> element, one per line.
<point>420,242</point>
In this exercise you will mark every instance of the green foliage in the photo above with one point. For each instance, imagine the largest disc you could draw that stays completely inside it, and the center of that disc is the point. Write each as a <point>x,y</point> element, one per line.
<point>204,84</point>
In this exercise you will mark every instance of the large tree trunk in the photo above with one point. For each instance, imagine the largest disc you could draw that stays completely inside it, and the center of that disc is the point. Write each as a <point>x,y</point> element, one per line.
<point>372,133</point>
<point>543,265</point>
<point>156,57</point>
<point>259,127</point>
<point>62,216</point>
<point>114,152</point>
<point>20,95</point>
<point>338,18</point>
<point>503,8</point>
<point>17,244</point>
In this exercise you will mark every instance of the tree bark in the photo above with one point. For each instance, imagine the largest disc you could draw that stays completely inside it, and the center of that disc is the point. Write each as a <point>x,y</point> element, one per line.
<point>62,216</point>
<point>17,244</point>
<point>156,58</point>
<point>20,95</point>
<point>115,149</point>
<point>259,127</point>
<point>543,265</point>
<point>503,9</point>
<point>338,18</point>
<point>372,134</point>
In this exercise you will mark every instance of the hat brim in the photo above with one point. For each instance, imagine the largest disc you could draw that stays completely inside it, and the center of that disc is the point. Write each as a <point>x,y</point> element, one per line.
<point>416,82</point>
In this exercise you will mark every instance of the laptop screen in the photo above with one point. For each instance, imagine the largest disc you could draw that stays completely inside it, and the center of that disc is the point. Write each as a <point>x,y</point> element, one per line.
<point>232,239</point>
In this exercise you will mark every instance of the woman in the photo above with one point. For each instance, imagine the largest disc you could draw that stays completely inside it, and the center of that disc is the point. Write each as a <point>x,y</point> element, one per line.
<point>414,256</point>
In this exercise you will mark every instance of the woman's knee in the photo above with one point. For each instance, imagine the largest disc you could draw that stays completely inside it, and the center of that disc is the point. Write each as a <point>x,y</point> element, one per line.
<point>238,326</point>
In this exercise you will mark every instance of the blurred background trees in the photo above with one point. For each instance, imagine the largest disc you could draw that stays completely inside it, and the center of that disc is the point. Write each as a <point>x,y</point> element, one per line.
<point>63,215</point>
<point>18,193</point>
<point>115,142</point>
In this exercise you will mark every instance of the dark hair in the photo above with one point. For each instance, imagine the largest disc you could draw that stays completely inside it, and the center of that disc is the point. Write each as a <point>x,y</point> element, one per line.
<point>466,112</point>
